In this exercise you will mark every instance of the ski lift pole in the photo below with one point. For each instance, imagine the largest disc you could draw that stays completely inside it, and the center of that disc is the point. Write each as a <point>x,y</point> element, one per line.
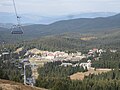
<point>25,72</point>
<point>24,75</point>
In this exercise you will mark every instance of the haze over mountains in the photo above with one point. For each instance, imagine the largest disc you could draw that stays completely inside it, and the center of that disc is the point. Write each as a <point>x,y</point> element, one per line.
<point>38,19</point>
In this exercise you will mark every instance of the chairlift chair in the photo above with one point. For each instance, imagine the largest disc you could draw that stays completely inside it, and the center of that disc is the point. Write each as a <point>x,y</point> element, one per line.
<point>17,29</point>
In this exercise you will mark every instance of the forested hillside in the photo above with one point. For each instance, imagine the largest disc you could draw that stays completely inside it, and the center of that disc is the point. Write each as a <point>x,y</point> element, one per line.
<point>82,25</point>
<point>57,78</point>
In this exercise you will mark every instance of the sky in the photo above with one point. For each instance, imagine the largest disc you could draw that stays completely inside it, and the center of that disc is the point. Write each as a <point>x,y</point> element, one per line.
<point>60,7</point>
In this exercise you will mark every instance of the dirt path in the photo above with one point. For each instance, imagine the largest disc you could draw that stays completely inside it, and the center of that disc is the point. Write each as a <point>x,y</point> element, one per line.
<point>10,85</point>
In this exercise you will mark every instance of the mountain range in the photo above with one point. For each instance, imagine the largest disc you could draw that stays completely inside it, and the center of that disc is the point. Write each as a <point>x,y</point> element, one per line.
<point>101,30</point>
<point>81,25</point>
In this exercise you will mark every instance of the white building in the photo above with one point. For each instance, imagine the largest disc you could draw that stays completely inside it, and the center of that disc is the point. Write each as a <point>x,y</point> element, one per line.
<point>86,65</point>
<point>66,64</point>
<point>0,55</point>
<point>50,57</point>
<point>113,51</point>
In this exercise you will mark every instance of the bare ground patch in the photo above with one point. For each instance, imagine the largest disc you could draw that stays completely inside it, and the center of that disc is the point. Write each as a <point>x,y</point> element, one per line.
<point>80,75</point>
<point>10,85</point>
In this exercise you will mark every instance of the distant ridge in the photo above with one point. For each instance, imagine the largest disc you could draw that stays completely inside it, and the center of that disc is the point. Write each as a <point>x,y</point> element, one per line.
<point>77,25</point>
<point>81,25</point>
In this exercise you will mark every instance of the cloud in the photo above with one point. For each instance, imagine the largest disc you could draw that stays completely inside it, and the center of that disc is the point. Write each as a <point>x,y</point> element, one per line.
<point>59,7</point>
<point>5,3</point>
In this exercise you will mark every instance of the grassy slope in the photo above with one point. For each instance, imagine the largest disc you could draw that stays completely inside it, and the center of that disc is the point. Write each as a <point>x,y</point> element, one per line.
<point>10,85</point>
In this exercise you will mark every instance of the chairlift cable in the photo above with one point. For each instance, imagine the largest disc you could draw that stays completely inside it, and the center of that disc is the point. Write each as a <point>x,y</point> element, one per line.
<point>16,29</point>
<point>17,17</point>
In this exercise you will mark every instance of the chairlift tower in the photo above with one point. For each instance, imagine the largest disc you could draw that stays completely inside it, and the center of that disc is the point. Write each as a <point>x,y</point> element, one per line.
<point>33,80</point>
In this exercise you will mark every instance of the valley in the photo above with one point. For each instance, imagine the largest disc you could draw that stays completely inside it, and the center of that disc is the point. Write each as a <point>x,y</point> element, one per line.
<point>76,54</point>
